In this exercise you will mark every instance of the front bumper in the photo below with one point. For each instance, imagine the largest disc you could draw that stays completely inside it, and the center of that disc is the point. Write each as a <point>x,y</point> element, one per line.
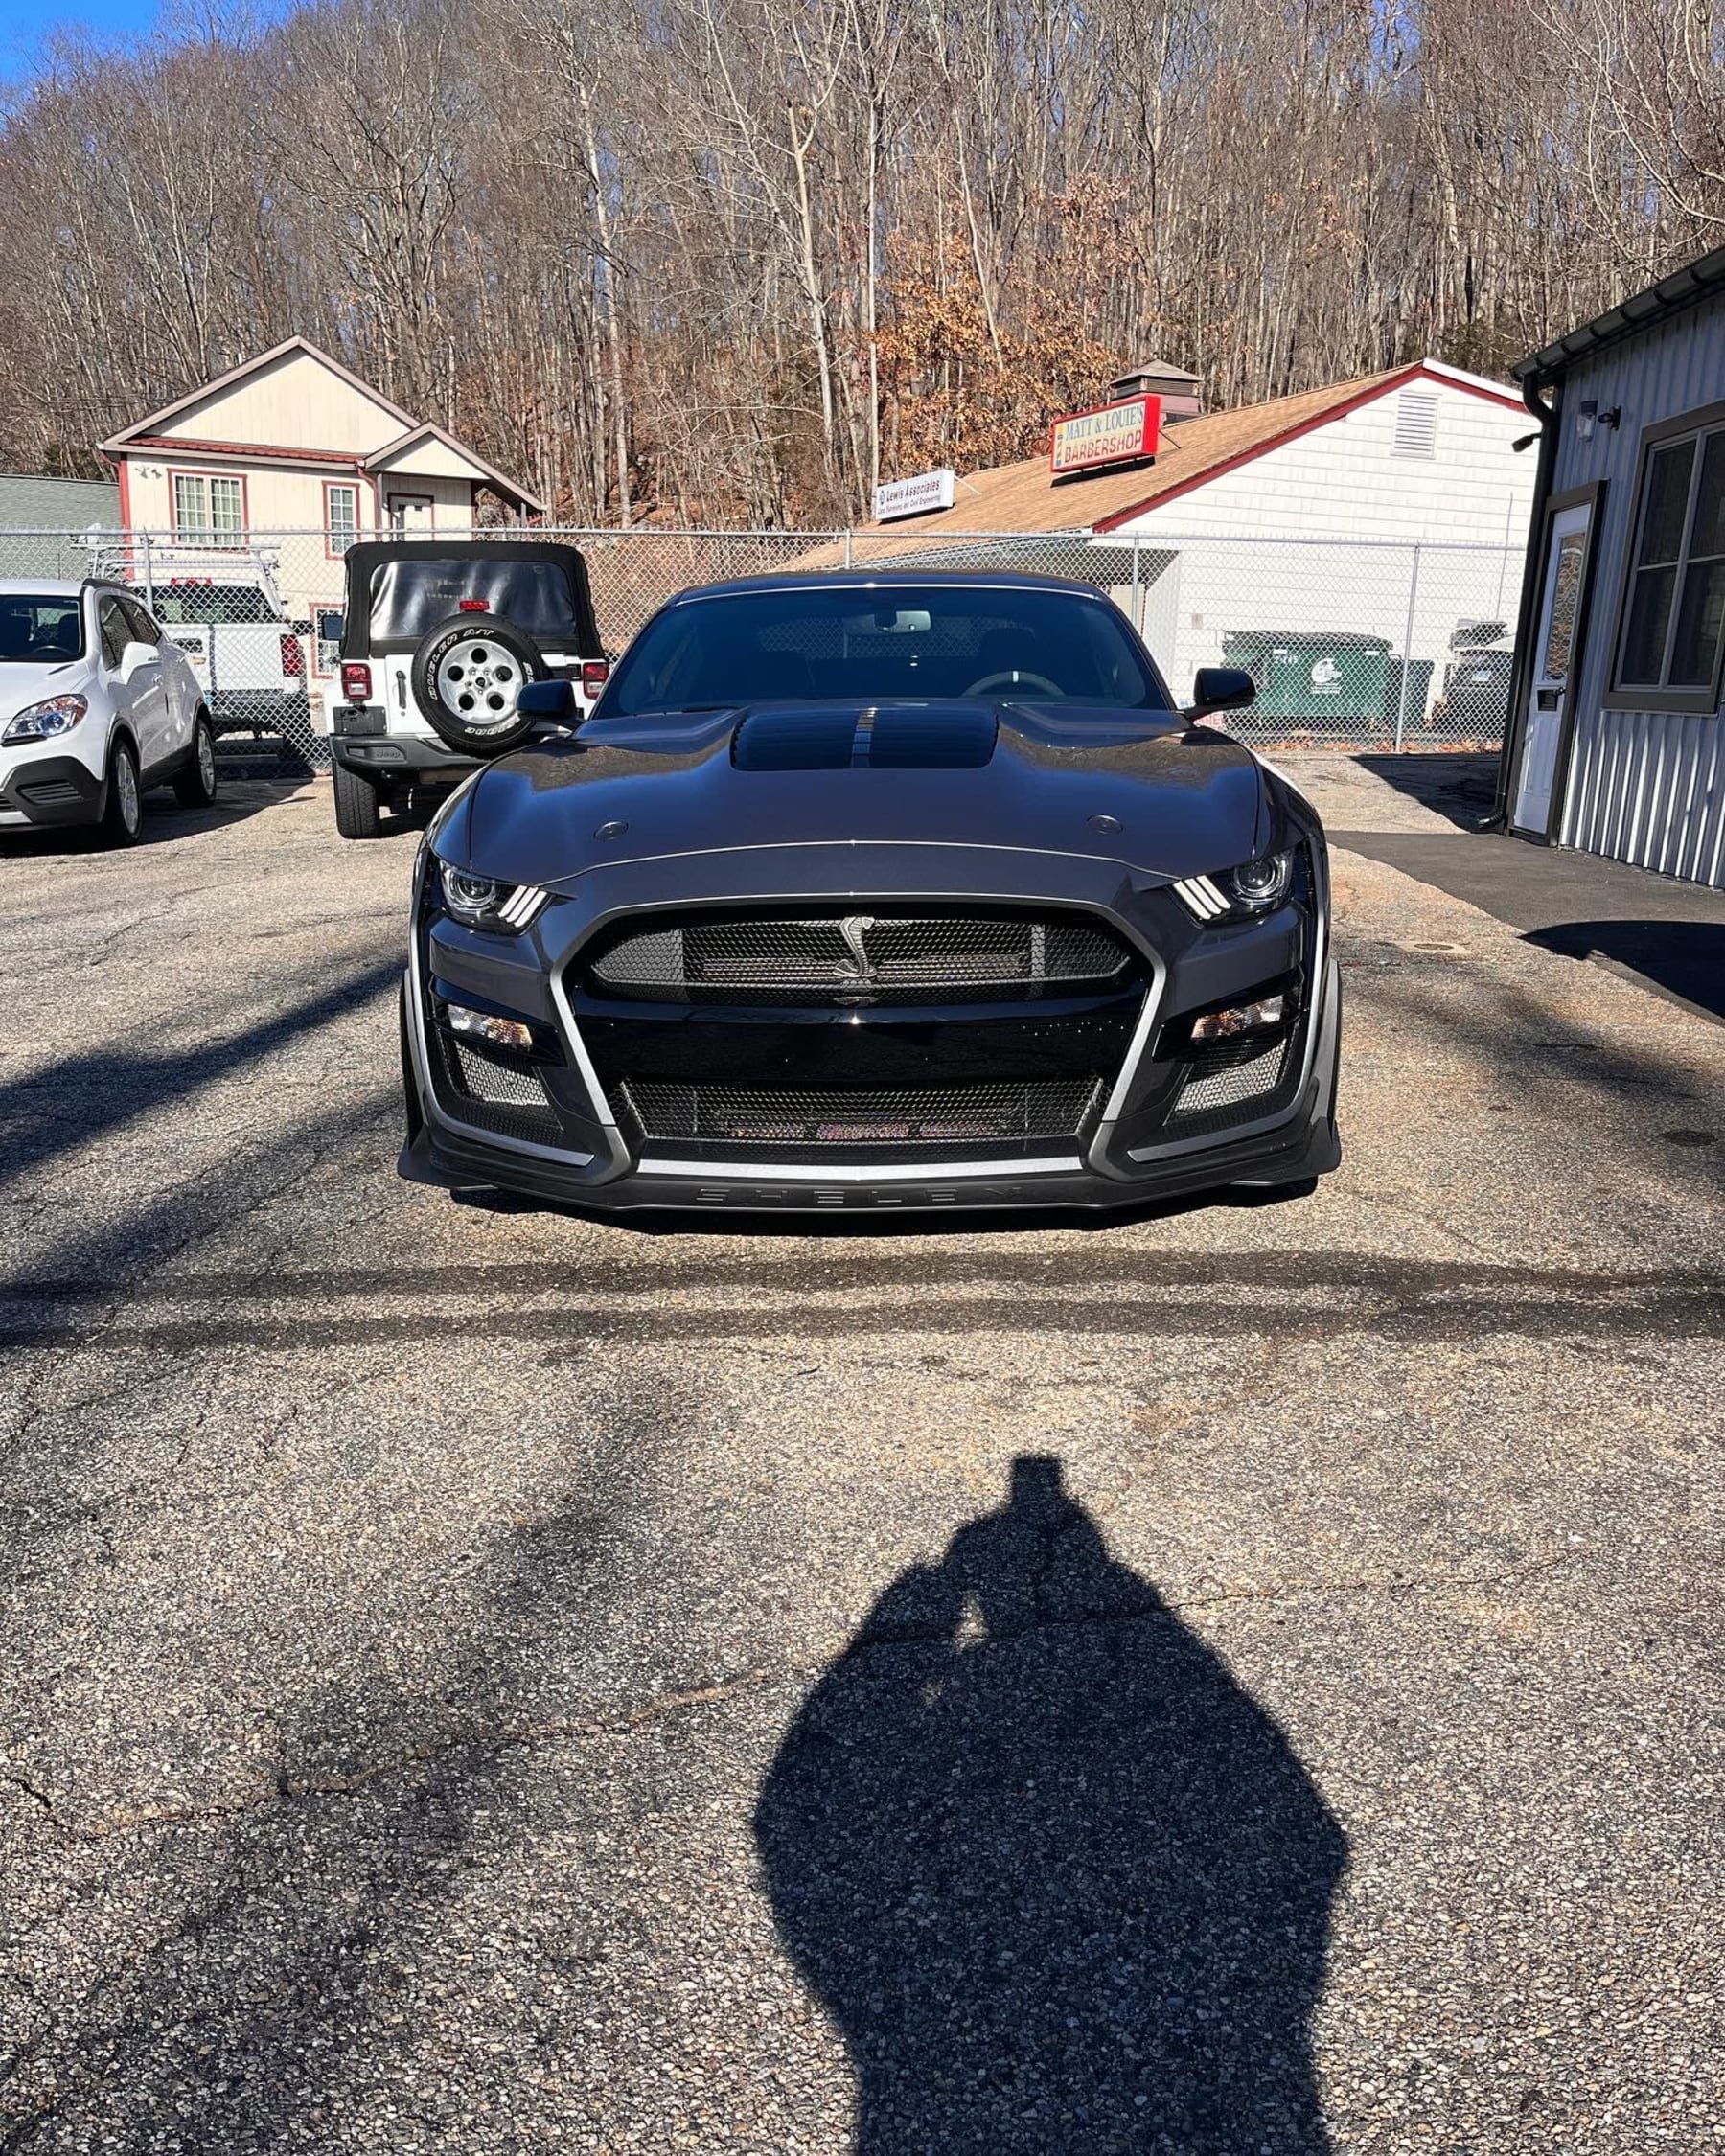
<point>50,791</point>
<point>1129,1154</point>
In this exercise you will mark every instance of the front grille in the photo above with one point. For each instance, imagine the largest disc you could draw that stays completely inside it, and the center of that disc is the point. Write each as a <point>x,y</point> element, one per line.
<point>884,957</point>
<point>819,1119</point>
<point>50,793</point>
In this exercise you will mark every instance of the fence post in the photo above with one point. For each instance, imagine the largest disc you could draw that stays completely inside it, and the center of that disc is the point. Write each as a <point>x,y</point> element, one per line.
<point>847,546</point>
<point>1136,590</point>
<point>149,576</point>
<point>1401,706</point>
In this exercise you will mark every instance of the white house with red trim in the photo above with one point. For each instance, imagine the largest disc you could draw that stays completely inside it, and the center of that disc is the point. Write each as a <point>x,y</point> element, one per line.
<point>1394,506</point>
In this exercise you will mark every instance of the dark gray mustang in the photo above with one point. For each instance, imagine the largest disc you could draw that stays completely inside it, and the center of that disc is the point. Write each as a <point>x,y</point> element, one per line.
<point>875,889</point>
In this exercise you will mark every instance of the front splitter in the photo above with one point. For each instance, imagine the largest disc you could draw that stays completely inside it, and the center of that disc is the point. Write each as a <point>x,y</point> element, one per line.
<point>1306,1149</point>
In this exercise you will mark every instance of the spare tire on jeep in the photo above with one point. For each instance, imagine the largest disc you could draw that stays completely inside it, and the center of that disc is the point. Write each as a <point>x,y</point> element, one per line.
<point>467,673</point>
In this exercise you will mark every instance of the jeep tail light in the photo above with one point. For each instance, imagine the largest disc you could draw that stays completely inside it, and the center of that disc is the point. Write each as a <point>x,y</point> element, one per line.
<point>595,673</point>
<point>470,606</point>
<point>355,681</point>
<point>293,660</point>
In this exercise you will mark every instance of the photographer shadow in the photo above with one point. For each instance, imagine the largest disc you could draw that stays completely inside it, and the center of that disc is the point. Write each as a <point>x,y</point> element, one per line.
<point>1055,1877</point>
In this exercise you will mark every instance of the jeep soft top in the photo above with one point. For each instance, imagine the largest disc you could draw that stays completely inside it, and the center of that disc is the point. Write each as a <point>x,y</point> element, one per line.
<point>398,589</point>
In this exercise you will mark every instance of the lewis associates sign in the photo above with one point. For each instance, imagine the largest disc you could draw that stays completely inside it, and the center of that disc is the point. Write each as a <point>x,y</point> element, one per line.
<point>1112,434</point>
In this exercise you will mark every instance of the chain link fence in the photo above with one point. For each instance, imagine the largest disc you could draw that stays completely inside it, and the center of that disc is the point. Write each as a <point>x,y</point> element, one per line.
<point>1355,644</point>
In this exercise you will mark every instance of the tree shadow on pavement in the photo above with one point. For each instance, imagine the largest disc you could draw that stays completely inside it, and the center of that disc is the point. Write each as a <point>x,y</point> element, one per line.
<point>1059,1883</point>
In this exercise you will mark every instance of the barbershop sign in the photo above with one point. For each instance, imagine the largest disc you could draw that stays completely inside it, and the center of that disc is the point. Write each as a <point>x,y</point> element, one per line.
<point>1112,434</point>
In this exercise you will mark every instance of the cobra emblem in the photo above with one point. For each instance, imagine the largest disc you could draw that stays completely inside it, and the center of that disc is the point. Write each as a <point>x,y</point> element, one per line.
<point>857,971</point>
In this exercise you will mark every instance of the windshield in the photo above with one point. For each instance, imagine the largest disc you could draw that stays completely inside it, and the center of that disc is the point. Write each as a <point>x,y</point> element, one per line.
<point>39,627</point>
<point>215,603</point>
<point>902,640</point>
<point>410,597</point>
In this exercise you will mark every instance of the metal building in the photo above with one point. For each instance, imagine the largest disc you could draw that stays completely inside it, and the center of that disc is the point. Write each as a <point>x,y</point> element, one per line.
<point>1613,741</point>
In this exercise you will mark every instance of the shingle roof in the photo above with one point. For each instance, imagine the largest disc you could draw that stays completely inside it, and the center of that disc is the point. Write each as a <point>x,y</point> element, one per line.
<point>29,503</point>
<point>1022,498</point>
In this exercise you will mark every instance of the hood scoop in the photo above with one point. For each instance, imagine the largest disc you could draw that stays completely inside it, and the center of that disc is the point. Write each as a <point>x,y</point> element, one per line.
<point>938,737</point>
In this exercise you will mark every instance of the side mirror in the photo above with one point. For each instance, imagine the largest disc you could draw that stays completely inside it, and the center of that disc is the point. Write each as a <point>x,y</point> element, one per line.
<point>549,699</point>
<point>1220,688</point>
<point>135,655</point>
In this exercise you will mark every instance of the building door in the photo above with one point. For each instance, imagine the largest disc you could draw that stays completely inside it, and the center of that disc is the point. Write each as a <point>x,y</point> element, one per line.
<point>410,515</point>
<point>1557,652</point>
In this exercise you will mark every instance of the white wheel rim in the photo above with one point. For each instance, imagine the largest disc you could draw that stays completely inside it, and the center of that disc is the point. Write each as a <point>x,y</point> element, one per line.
<point>125,780</point>
<point>480,682</point>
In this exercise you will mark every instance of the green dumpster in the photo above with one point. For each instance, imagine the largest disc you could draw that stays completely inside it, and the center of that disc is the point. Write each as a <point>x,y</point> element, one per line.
<point>1338,682</point>
<point>1406,706</point>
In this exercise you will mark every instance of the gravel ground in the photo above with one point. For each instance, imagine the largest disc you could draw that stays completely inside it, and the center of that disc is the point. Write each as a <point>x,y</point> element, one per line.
<point>1245,1681</point>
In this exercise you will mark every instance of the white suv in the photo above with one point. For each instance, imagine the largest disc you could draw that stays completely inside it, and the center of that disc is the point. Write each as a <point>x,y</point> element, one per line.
<point>95,704</point>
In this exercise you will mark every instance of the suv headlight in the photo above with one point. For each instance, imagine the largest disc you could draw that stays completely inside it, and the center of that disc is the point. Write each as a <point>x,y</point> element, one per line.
<point>482,902</point>
<point>1256,886</point>
<point>46,720</point>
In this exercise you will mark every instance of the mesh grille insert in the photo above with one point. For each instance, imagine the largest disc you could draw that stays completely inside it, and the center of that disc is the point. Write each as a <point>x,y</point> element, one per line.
<point>778,1117</point>
<point>498,1082</point>
<point>488,1092</point>
<point>1230,1073</point>
<point>885,957</point>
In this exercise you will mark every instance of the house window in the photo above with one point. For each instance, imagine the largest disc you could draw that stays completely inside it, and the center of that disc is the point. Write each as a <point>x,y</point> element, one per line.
<point>1671,629</point>
<point>1416,425</point>
<point>341,515</point>
<point>208,510</point>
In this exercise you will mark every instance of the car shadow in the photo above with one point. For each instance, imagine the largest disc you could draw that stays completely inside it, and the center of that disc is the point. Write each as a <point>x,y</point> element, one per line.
<point>165,822</point>
<point>1682,958</point>
<point>1058,1880</point>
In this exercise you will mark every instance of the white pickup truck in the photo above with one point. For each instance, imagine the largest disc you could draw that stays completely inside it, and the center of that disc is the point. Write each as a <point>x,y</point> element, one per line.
<point>221,606</point>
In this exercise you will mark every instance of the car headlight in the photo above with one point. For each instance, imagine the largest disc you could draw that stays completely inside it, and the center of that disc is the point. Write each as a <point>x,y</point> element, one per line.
<point>482,902</point>
<point>47,721</point>
<point>1256,886</point>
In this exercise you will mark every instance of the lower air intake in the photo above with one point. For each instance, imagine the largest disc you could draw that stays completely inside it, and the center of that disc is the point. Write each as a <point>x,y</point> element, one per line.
<point>1230,1073</point>
<point>491,1092</point>
<point>817,1117</point>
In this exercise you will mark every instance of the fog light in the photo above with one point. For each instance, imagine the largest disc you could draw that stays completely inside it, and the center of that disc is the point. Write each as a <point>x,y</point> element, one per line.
<point>481,1025</point>
<point>1241,1018</point>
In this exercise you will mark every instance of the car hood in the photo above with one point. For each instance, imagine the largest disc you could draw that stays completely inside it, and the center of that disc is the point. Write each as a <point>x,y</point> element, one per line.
<point>28,681</point>
<point>1137,788</point>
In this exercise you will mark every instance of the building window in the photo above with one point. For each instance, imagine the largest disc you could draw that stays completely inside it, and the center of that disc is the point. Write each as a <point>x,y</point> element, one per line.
<point>341,515</point>
<point>1671,632</point>
<point>209,511</point>
<point>1416,425</point>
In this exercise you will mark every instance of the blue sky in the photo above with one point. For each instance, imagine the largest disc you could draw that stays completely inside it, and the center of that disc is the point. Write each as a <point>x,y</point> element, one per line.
<point>27,25</point>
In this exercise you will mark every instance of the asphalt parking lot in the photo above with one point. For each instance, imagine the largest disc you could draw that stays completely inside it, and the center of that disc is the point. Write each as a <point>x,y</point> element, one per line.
<point>1244,1682</point>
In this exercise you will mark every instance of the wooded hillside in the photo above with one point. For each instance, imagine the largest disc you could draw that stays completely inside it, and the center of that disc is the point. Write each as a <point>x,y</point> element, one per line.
<point>729,260</point>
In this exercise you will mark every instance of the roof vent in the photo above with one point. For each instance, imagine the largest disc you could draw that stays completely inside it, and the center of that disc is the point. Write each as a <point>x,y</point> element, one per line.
<point>1160,378</point>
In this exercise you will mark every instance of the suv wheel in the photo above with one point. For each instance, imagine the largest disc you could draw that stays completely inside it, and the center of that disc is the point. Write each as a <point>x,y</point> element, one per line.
<point>195,788</point>
<point>467,673</point>
<point>122,799</point>
<point>359,812</point>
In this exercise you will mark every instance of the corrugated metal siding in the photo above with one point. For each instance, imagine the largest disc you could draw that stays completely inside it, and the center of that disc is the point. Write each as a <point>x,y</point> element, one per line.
<point>1645,787</point>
